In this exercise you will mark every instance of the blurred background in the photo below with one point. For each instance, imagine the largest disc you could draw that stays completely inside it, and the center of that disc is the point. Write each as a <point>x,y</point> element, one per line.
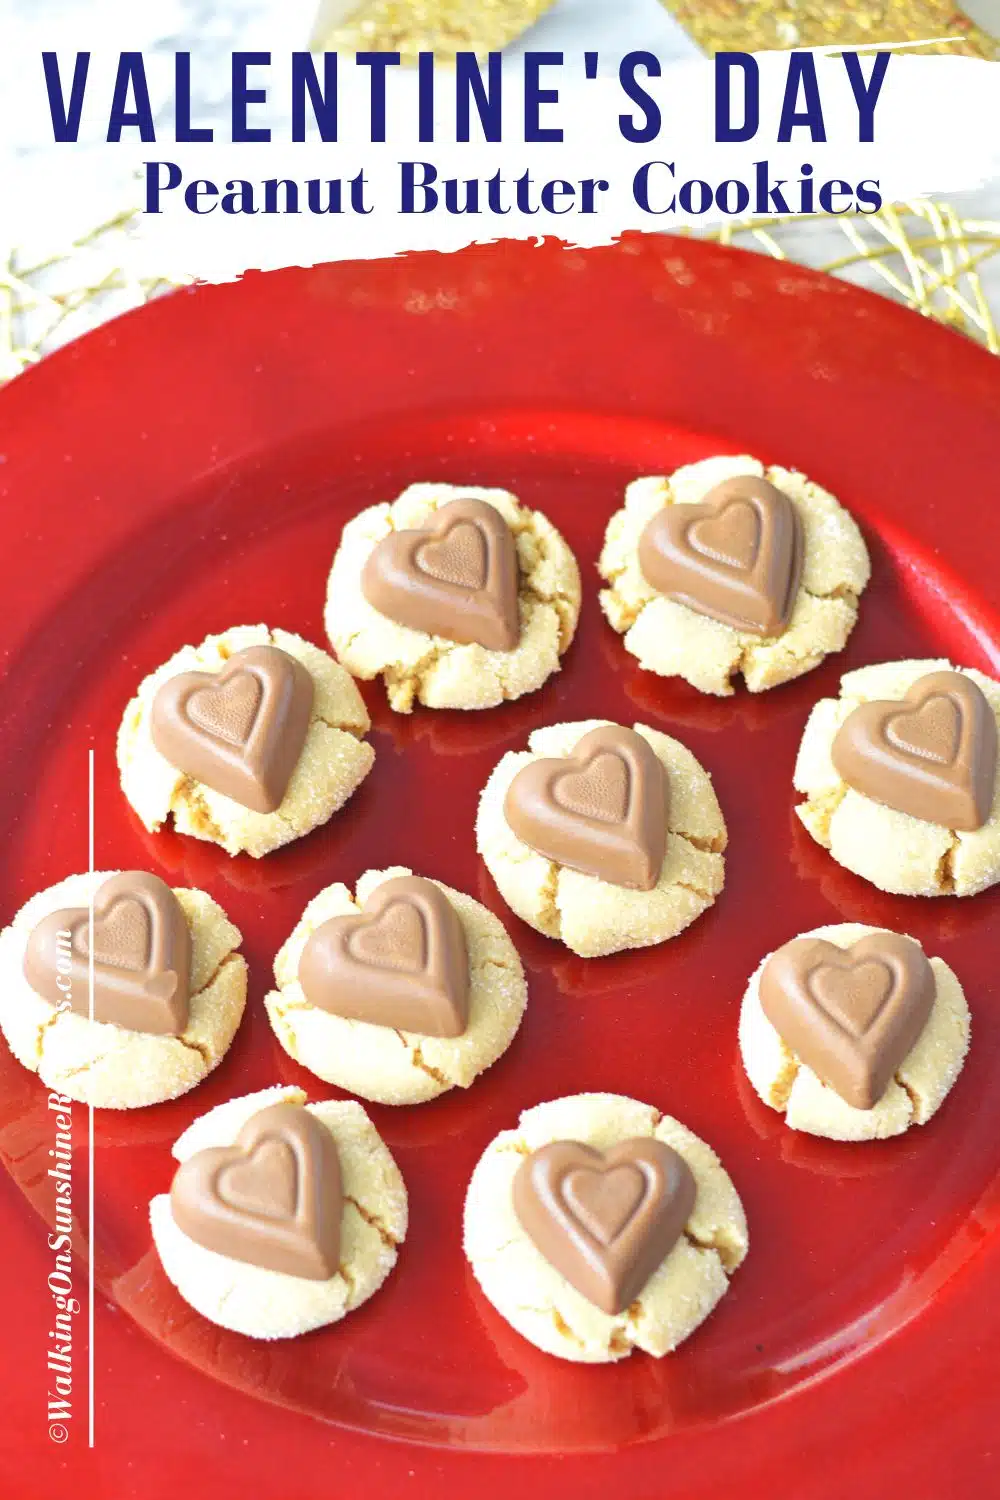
<point>57,280</point>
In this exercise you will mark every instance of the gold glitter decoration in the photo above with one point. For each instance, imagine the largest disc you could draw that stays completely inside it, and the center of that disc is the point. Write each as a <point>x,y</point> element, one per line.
<point>921,253</point>
<point>764,25</point>
<point>440,26</point>
<point>47,302</point>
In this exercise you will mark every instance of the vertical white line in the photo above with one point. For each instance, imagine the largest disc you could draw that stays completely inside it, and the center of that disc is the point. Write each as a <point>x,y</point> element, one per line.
<point>90,1115</point>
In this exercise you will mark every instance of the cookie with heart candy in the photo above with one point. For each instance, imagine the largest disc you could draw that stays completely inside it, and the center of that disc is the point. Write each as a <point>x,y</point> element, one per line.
<point>900,777</point>
<point>250,740</point>
<point>169,988</point>
<point>456,597</point>
<point>853,1033</point>
<point>598,1226</point>
<point>602,836</point>
<point>727,568</point>
<point>398,992</point>
<point>282,1216</point>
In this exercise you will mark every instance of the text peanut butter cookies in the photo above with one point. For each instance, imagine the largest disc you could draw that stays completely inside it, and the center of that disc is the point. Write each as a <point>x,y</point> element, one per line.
<point>456,597</point>
<point>250,740</point>
<point>599,1226</point>
<point>283,1216</point>
<point>900,777</point>
<point>169,988</point>
<point>727,568</point>
<point>604,837</point>
<point>853,1033</point>
<point>399,994</point>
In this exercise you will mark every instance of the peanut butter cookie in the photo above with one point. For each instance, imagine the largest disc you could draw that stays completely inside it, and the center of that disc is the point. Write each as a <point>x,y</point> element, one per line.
<point>599,1226</point>
<point>853,1033</point>
<point>169,988</point>
<point>456,597</point>
<point>603,837</point>
<point>400,993</point>
<point>727,568</point>
<point>283,1216</point>
<point>250,741</point>
<point>900,777</point>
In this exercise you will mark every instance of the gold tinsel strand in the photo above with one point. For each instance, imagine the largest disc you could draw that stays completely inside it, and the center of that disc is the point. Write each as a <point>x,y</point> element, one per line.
<point>45,303</point>
<point>921,253</point>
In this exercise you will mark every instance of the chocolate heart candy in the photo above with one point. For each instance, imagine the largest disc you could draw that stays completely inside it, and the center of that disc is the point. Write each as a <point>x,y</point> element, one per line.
<point>403,962</point>
<point>605,1219</point>
<point>602,810</point>
<point>737,557</point>
<point>456,578</point>
<point>933,754</point>
<point>239,731</point>
<point>142,957</point>
<point>852,1015</point>
<point>274,1199</point>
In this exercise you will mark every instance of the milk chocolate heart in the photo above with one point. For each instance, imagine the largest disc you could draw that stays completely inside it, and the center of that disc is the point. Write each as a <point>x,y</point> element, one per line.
<point>737,557</point>
<point>933,754</point>
<point>402,963</point>
<point>457,578</point>
<point>605,1219</point>
<point>603,810</point>
<point>142,957</point>
<point>274,1199</point>
<point>239,731</point>
<point>852,1015</point>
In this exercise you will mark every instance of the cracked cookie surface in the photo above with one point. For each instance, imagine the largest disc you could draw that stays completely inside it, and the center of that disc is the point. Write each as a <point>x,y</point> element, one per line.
<point>431,670</point>
<point>378,1062</point>
<point>538,1301</point>
<point>270,1304</point>
<point>896,852</point>
<point>108,1066</point>
<point>591,916</point>
<point>921,1083</point>
<point>335,757</point>
<point>674,641</point>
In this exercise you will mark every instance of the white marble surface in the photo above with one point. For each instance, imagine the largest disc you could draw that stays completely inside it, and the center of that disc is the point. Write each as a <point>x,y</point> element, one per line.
<point>211,29</point>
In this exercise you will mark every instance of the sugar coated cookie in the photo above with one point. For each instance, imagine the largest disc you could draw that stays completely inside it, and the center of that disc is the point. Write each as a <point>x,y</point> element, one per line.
<point>169,988</point>
<point>250,741</point>
<point>900,777</point>
<point>853,1033</point>
<point>283,1216</point>
<point>604,837</point>
<point>599,1226</point>
<point>457,597</point>
<point>727,568</point>
<point>399,993</point>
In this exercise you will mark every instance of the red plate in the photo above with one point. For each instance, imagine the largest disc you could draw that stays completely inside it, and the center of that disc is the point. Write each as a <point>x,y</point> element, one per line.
<point>189,467</point>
